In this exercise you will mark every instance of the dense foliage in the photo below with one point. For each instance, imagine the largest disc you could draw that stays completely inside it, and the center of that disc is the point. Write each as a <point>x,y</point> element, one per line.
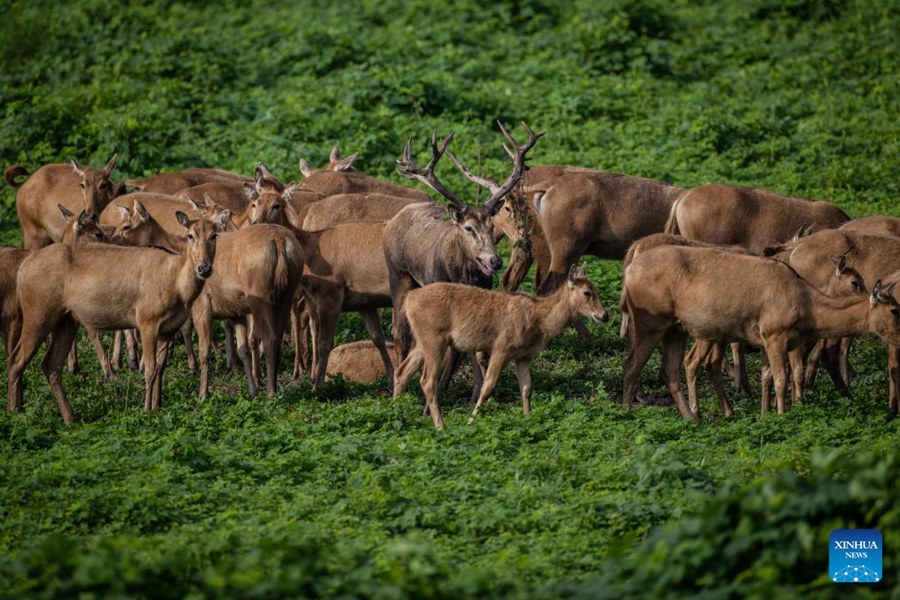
<point>347,493</point>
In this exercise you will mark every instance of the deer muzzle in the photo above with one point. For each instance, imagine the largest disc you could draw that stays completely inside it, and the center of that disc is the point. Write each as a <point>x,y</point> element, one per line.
<point>204,271</point>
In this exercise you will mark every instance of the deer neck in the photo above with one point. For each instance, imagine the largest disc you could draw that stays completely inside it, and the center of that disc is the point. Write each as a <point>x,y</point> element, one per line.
<point>167,241</point>
<point>554,312</point>
<point>187,285</point>
<point>840,317</point>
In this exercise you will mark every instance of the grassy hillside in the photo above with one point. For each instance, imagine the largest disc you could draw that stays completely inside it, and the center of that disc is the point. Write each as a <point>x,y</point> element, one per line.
<point>347,493</point>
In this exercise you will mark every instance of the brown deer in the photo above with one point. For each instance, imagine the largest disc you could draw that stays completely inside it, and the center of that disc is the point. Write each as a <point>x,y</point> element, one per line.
<point>730,215</point>
<point>107,287</point>
<point>874,225</point>
<point>344,270</point>
<point>335,163</point>
<point>717,296</point>
<point>870,255</point>
<point>329,183</point>
<point>75,186</point>
<point>227,194</point>
<point>360,361</point>
<point>422,247</point>
<point>82,228</point>
<point>508,326</point>
<point>578,211</point>
<point>346,208</point>
<point>171,182</point>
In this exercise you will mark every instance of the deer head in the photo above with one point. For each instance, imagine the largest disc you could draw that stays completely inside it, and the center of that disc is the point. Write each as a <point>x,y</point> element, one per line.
<point>583,295</point>
<point>96,188</point>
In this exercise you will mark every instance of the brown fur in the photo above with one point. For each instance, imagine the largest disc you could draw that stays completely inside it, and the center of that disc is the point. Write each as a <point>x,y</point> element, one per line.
<point>162,207</point>
<point>874,225</point>
<point>582,211</point>
<point>73,185</point>
<point>508,326</point>
<point>753,218</point>
<point>335,163</point>
<point>673,291</point>
<point>106,287</point>
<point>227,194</point>
<point>344,270</point>
<point>346,208</point>
<point>330,183</point>
<point>359,361</point>
<point>172,182</point>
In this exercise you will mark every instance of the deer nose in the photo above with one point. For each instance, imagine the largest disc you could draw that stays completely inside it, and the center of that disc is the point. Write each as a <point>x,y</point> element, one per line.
<point>204,270</point>
<point>496,262</point>
<point>604,317</point>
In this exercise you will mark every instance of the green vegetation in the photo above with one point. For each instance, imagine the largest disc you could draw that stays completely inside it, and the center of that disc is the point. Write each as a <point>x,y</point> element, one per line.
<point>348,493</point>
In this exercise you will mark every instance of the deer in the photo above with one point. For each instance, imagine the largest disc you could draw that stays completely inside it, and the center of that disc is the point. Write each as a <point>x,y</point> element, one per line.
<point>360,361</point>
<point>346,208</point>
<point>329,183</point>
<point>717,296</point>
<point>421,247</point>
<point>754,218</point>
<point>874,225</point>
<point>255,272</point>
<point>227,194</point>
<point>870,255</point>
<point>335,163</point>
<point>78,229</point>
<point>577,211</point>
<point>169,182</point>
<point>509,326</point>
<point>107,287</point>
<point>74,185</point>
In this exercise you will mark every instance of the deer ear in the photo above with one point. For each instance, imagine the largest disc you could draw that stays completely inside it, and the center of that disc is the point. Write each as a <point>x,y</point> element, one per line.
<point>208,200</point>
<point>572,276</point>
<point>66,213</point>
<point>183,219</point>
<point>288,193</point>
<point>456,213</point>
<point>140,210</point>
<point>346,164</point>
<point>123,211</point>
<point>77,167</point>
<point>305,169</point>
<point>335,155</point>
<point>582,272</point>
<point>110,164</point>
<point>85,217</point>
<point>250,191</point>
<point>194,204</point>
<point>221,220</point>
<point>840,264</point>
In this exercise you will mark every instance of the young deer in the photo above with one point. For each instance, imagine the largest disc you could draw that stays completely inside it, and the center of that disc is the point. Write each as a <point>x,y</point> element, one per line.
<point>509,326</point>
<point>672,292</point>
<point>107,287</point>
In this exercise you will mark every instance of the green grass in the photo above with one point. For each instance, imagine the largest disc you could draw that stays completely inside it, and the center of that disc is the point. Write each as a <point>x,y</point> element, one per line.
<point>349,493</point>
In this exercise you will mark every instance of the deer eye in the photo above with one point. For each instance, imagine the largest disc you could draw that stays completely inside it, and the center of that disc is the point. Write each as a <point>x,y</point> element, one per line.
<point>896,313</point>
<point>587,294</point>
<point>857,286</point>
<point>469,229</point>
<point>190,237</point>
<point>213,237</point>
<point>276,207</point>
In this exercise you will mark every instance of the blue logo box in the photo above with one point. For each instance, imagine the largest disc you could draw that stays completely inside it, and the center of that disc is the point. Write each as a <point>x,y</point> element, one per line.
<point>854,556</point>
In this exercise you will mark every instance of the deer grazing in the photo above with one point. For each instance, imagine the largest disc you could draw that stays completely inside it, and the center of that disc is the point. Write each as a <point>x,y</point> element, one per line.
<point>107,287</point>
<point>508,326</point>
<point>672,292</point>
<point>422,247</point>
<point>75,186</point>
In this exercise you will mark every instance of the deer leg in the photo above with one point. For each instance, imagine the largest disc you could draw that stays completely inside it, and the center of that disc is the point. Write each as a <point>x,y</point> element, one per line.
<point>115,358</point>
<point>100,351</point>
<point>429,381</point>
<point>831,362</point>
<point>695,357</point>
<point>149,340</point>
<point>373,325</point>
<point>777,354</point>
<point>408,367</point>
<point>400,286</point>
<point>74,367</point>
<point>327,327</point>
<point>812,363</point>
<point>714,370</point>
<point>739,373</point>
<point>201,315</point>
<point>61,342</point>
<point>253,345</point>
<point>231,357</point>
<point>162,360</point>
<point>299,334</point>
<point>519,262</point>
<point>847,372</point>
<point>523,374</point>
<point>642,345</point>
<point>186,337</point>
<point>765,375</point>
<point>480,361</point>
<point>242,341</point>
<point>264,329</point>
<point>673,354</point>
<point>131,349</point>
<point>498,359</point>
<point>795,359</point>
<point>894,378</point>
<point>33,332</point>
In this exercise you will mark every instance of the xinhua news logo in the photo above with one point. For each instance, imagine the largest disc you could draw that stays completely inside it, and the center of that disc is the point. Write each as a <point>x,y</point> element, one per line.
<point>854,556</point>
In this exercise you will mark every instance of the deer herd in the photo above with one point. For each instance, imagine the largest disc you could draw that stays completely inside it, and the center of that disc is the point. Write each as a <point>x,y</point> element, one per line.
<point>159,256</point>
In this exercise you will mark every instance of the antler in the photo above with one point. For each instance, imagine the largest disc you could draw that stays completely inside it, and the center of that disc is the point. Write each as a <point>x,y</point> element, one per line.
<point>407,168</point>
<point>518,156</point>
<point>485,182</point>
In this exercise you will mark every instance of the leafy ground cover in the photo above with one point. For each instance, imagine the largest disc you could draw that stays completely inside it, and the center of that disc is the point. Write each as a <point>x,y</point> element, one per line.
<point>348,493</point>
